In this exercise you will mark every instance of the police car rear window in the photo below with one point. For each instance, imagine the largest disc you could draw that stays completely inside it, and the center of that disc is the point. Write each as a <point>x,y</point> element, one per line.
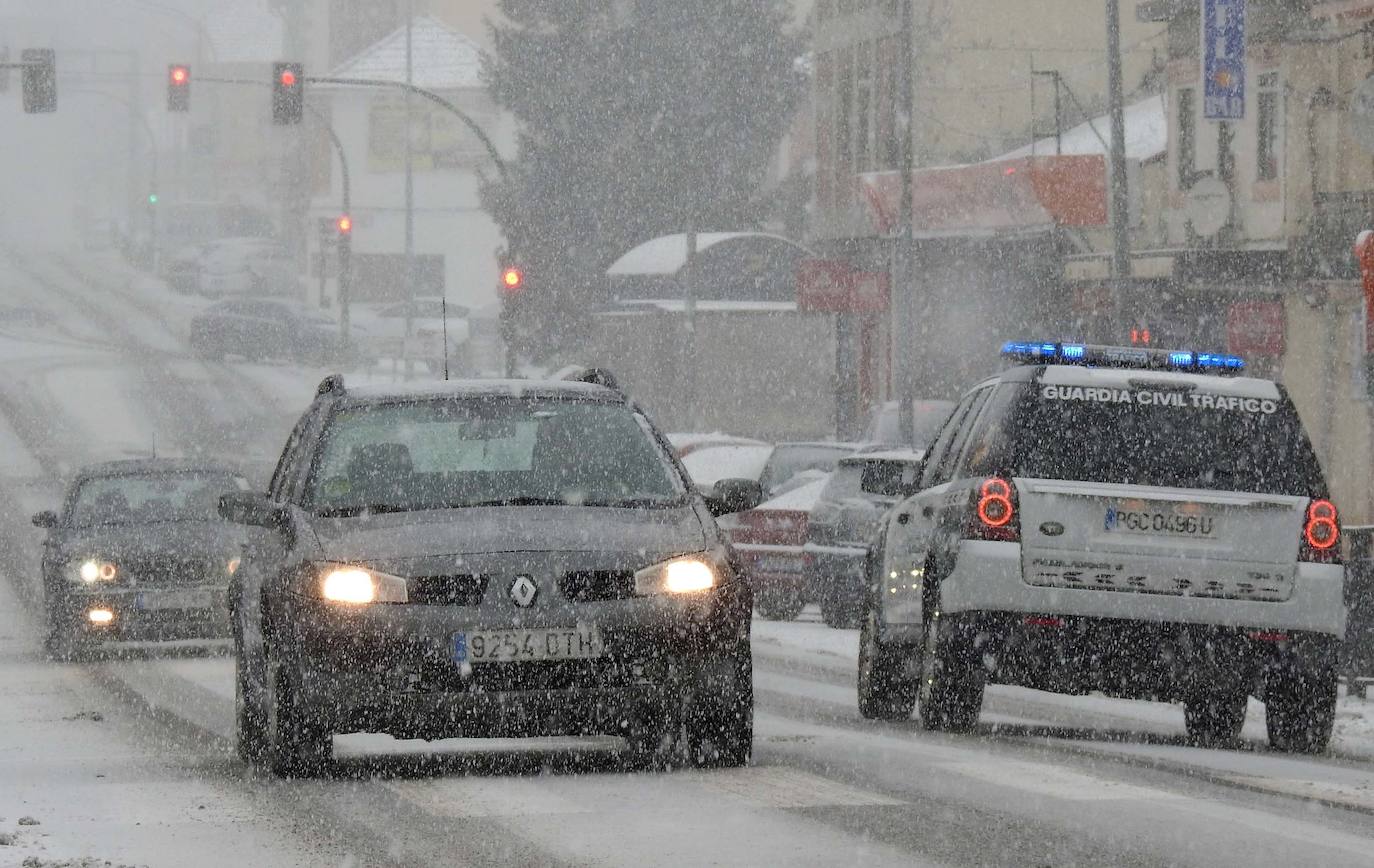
<point>1164,437</point>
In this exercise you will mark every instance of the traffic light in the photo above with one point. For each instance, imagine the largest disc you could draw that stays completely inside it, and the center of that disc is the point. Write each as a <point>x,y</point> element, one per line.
<point>40,80</point>
<point>512,281</point>
<point>288,93</point>
<point>178,88</point>
<point>345,225</point>
<point>152,198</point>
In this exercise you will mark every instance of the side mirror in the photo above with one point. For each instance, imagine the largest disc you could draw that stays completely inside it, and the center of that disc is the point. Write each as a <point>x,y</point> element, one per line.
<point>46,518</point>
<point>734,495</point>
<point>251,508</point>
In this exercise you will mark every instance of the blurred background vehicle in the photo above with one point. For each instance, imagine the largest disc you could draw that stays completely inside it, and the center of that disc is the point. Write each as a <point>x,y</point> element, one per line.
<point>770,539</point>
<point>266,328</point>
<point>788,461</point>
<point>246,266</point>
<point>685,443</point>
<point>846,514</point>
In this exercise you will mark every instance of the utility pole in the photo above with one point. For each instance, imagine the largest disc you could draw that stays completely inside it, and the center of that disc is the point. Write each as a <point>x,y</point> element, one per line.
<point>1121,251</point>
<point>902,293</point>
<point>409,270</point>
<point>689,311</point>
<point>1053,75</point>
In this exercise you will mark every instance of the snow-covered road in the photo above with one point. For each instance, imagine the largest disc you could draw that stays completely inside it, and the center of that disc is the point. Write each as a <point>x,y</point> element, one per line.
<point>1047,780</point>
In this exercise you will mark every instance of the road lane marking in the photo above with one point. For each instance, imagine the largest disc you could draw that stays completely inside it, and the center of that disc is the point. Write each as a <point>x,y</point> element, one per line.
<point>782,787</point>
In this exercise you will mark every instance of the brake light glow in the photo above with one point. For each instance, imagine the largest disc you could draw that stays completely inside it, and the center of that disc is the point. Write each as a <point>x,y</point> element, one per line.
<point>1322,532</point>
<point>994,512</point>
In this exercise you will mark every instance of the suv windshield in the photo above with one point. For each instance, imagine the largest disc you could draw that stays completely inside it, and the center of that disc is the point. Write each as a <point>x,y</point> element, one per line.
<point>1255,446</point>
<point>150,497</point>
<point>452,453</point>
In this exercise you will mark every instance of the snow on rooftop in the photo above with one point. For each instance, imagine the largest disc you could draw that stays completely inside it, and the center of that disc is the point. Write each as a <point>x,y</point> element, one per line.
<point>441,58</point>
<point>668,253</point>
<point>246,31</point>
<point>1147,134</point>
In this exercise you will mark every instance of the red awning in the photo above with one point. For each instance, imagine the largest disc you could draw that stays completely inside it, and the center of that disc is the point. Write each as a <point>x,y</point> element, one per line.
<point>1029,193</point>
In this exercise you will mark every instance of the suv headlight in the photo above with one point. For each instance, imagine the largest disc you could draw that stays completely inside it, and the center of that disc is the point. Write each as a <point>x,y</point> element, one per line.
<point>684,575</point>
<point>91,570</point>
<point>348,583</point>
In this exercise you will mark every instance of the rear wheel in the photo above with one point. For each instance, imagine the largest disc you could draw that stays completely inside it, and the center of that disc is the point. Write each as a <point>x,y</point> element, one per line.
<point>1215,717</point>
<point>839,611</point>
<point>952,677</point>
<point>885,691</point>
<point>1300,708</point>
<point>297,743</point>
<point>779,604</point>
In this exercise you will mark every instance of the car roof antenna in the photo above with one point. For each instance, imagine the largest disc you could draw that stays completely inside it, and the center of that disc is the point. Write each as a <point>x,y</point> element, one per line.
<point>443,315</point>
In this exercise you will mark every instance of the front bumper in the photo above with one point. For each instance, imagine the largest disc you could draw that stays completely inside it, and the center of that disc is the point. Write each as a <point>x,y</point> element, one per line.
<point>391,668</point>
<point>144,614</point>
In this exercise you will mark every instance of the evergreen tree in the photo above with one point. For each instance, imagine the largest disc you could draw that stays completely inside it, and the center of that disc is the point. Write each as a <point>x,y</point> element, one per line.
<point>639,118</point>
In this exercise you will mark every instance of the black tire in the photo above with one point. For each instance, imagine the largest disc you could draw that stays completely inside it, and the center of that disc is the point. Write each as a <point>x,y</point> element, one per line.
<point>296,743</point>
<point>952,677</point>
<point>250,730</point>
<point>65,643</point>
<point>839,611</point>
<point>885,692</point>
<point>779,604</point>
<point>1300,709</point>
<point>1214,718</point>
<point>651,739</point>
<point>720,723</point>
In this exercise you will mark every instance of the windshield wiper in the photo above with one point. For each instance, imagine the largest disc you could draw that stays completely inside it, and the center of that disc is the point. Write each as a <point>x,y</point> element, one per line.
<point>359,509</point>
<point>634,502</point>
<point>510,501</point>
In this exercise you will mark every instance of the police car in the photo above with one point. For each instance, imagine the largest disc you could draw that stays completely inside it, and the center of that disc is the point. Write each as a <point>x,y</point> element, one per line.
<point>1150,524</point>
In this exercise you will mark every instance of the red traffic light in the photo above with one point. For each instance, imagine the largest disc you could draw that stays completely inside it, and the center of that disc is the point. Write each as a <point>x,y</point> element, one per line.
<point>344,224</point>
<point>180,74</point>
<point>512,279</point>
<point>288,78</point>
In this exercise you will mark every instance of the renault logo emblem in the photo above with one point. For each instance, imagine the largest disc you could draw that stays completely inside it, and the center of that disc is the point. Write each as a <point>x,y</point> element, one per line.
<point>523,591</point>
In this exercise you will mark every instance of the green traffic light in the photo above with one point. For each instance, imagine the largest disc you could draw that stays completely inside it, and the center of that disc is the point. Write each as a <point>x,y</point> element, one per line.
<point>152,198</point>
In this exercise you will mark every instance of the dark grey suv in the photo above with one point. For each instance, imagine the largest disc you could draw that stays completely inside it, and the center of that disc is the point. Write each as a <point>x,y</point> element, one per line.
<point>488,558</point>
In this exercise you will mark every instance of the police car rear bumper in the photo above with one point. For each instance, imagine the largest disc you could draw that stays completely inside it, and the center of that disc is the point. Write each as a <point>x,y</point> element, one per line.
<point>988,577</point>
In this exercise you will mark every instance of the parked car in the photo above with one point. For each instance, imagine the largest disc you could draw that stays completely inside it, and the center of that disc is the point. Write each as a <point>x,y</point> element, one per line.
<point>246,266</point>
<point>386,325</point>
<point>885,424</point>
<point>847,514</point>
<point>685,443</point>
<point>769,540</point>
<point>791,459</point>
<point>265,328</point>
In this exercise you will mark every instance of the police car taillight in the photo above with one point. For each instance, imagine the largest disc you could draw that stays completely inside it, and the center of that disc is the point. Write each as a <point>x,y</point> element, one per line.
<point>993,512</point>
<point>1321,533</point>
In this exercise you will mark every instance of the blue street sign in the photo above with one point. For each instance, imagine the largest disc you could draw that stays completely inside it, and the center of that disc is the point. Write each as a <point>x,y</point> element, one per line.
<point>1223,60</point>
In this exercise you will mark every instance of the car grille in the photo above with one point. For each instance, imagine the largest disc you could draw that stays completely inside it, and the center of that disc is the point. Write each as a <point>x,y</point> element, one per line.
<point>589,586</point>
<point>167,571</point>
<point>448,590</point>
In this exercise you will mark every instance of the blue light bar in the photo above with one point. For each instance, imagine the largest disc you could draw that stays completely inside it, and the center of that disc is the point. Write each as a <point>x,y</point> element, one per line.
<point>1142,358</point>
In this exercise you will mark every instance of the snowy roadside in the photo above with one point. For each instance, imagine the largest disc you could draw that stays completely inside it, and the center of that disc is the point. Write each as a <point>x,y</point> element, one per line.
<point>817,646</point>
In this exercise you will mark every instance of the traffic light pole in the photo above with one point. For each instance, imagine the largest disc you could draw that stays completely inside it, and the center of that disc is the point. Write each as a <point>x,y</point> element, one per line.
<point>345,269</point>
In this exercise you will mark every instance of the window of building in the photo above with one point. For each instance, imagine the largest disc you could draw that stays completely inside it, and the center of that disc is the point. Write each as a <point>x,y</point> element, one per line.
<point>1267,124</point>
<point>863,106</point>
<point>1187,137</point>
<point>844,115</point>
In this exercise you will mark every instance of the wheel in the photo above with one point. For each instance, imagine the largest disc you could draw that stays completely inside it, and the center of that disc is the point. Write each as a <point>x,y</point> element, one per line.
<point>779,604</point>
<point>720,723</point>
<point>1215,718</point>
<point>1300,708</point>
<point>297,743</point>
<point>250,730</point>
<point>65,643</point>
<point>951,677</point>
<point>886,692</point>
<point>839,611</point>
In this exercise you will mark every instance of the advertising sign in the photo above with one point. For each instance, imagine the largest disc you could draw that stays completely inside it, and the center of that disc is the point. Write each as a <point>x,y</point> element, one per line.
<point>1223,60</point>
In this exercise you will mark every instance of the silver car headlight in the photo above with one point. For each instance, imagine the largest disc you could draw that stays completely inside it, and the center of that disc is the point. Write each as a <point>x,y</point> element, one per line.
<point>684,575</point>
<point>355,585</point>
